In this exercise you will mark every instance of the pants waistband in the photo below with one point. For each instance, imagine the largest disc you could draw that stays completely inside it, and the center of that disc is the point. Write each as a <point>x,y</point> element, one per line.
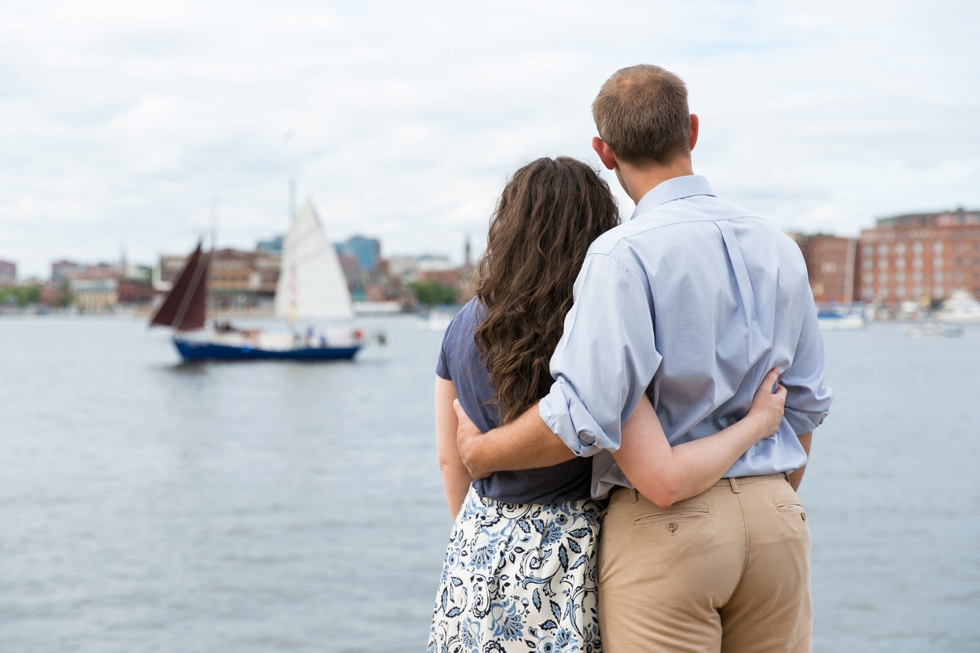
<point>745,480</point>
<point>621,494</point>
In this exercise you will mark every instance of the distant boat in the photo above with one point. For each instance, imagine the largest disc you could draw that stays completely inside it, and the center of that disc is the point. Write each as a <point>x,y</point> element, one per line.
<point>934,330</point>
<point>960,308</point>
<point>841,318</point>
<point>311,289</point>
<point>436,320</point>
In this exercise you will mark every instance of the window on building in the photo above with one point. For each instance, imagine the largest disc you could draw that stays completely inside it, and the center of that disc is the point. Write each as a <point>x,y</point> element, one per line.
<point>900,278</point>
<point>937,292</point>
<point>883,278</point>
<point>883,263</point>
<point>917,276</point>
<point>938,277</point>
<point>868,264</point>
<point>917,292</point>
<point>868,250</point>
<point>869,278</point>
<point>868,293</point>
<point>959,247</point>
<point>917,248</point>
<point>882,249</point>
<point>900,263</point>
<point>937,262</point>
<point>937,247</point>
<point>900,292</point>
<point>917,263</point>
<point>960,276</point>
<point>900,248</point>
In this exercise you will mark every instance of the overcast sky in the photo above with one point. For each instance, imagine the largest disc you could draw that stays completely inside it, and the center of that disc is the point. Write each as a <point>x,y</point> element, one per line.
<point>124,122</point>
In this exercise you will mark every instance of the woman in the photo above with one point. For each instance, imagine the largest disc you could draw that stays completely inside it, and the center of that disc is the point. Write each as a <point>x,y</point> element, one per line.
<point>519,573</point>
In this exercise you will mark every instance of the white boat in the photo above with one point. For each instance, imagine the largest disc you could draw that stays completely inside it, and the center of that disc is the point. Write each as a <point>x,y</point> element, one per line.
<point>311,290</point>
<point>841,318</point>
<point>935,330</point>
<point>960,308</point>
<point>436,320</point>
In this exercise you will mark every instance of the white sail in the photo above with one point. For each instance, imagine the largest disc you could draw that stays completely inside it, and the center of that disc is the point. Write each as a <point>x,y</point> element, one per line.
<point>311,282</point>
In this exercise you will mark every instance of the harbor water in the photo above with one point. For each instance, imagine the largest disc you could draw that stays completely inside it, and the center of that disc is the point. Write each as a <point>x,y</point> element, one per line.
<point>147,505</point>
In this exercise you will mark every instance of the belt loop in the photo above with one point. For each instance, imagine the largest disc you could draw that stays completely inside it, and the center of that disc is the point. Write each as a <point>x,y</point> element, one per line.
<point>734,484</point>
<point>636,495</point>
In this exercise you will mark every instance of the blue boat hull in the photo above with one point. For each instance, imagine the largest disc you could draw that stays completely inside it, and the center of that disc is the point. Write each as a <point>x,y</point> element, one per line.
<point>206,351</point>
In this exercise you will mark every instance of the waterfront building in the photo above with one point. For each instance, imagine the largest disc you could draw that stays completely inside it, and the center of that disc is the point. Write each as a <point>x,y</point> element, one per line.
<point>94,295</point>
<point>271,246</point>
<point>920,257</point>
<point>238,278</point>
<point>62,270</point>
<point>831,263</point>
<point>134,291</point>
<point>8,272</point>
<point>367,251</point>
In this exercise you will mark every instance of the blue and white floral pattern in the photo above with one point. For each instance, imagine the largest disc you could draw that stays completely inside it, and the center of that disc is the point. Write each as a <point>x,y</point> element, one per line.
<point>519,578</point>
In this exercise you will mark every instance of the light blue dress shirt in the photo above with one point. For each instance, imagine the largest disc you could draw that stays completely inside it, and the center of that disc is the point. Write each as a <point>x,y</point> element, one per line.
<point>692,301</point>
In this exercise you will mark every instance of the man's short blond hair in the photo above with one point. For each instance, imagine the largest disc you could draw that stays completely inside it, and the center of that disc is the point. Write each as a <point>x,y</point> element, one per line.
<point>641,113</point>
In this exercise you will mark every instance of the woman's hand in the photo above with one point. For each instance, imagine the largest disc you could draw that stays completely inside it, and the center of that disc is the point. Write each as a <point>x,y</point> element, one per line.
<point>767,407</point>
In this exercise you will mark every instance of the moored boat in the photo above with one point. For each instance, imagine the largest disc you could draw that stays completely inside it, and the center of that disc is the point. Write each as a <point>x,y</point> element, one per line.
<point>960,308</point>
<point>841,318</point>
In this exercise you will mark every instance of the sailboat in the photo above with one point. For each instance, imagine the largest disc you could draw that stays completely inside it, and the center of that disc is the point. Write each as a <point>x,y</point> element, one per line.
<point>311,289</point>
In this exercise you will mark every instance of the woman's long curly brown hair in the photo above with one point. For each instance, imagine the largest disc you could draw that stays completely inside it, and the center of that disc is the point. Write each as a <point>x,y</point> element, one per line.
<point>548,215</point>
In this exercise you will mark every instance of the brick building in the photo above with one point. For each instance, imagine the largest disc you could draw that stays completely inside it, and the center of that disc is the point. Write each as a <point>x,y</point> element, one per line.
<point>8,272</point>
<point>921,256</point>
<point>830,264</point>
<point>237,277</point>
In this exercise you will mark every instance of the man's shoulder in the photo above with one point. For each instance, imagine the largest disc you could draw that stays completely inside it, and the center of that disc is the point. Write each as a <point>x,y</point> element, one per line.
<point>660,227</point>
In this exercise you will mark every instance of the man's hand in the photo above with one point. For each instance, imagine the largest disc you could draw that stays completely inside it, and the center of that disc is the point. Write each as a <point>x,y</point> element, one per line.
<point>467,440</point>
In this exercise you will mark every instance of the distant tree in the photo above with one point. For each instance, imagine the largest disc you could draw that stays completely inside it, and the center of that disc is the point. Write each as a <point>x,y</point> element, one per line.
<point>64,297</point>
<point>14,296</point>
<point>29,295</point>
<point>433,293</point>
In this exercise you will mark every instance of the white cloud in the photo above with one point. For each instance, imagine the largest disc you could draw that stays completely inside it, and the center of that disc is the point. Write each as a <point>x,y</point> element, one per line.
<point>127,120</point>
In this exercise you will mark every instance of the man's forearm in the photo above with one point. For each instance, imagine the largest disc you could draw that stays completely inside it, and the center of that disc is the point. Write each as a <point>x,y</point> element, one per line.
<point>796,476</point>
<point>525,443</point>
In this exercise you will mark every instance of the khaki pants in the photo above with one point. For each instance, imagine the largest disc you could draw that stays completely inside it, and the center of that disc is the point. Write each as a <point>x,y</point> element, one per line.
<point>727,570</point>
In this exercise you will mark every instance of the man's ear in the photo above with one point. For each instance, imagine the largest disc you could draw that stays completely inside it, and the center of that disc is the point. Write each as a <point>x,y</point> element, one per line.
<point>695,124</point>
<point>605,153</point>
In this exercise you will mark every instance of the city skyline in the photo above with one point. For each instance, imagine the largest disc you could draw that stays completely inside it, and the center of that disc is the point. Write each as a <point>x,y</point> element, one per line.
<point>129,123</point>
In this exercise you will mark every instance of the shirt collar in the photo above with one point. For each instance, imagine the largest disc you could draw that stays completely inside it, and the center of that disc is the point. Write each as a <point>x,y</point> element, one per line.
<point>677,188</point>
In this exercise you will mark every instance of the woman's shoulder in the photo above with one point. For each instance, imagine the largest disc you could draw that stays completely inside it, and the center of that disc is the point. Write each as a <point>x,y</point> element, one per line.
<point>468,317</point>
<point>459,350</point>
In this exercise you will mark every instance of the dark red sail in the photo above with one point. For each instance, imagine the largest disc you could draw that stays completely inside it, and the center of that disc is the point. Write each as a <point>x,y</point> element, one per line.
<point>185,306</point>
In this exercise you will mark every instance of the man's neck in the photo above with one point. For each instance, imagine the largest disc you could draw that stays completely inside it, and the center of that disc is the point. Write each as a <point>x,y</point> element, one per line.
<point>637,182</point>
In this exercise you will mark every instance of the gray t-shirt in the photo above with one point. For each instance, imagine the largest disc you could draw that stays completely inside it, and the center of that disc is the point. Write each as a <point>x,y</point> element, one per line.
<point>459,362</point>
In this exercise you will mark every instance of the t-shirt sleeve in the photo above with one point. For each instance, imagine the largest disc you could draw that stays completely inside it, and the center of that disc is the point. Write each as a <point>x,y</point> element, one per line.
<point>442,365</point>
<point>448,340</point>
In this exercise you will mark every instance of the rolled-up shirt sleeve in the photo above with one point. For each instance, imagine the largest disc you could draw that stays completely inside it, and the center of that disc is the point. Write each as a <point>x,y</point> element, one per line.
<point>606,358</point>
<point>807,398</point>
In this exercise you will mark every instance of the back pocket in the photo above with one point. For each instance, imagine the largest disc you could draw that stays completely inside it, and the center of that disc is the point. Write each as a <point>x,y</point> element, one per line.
<point>684,514</point>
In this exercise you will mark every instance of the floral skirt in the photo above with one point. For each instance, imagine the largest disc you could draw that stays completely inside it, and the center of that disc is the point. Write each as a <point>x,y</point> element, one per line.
<point>519,577</point>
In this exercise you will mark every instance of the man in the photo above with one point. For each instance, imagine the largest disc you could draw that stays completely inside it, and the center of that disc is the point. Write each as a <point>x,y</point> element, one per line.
<point>692,301</point>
